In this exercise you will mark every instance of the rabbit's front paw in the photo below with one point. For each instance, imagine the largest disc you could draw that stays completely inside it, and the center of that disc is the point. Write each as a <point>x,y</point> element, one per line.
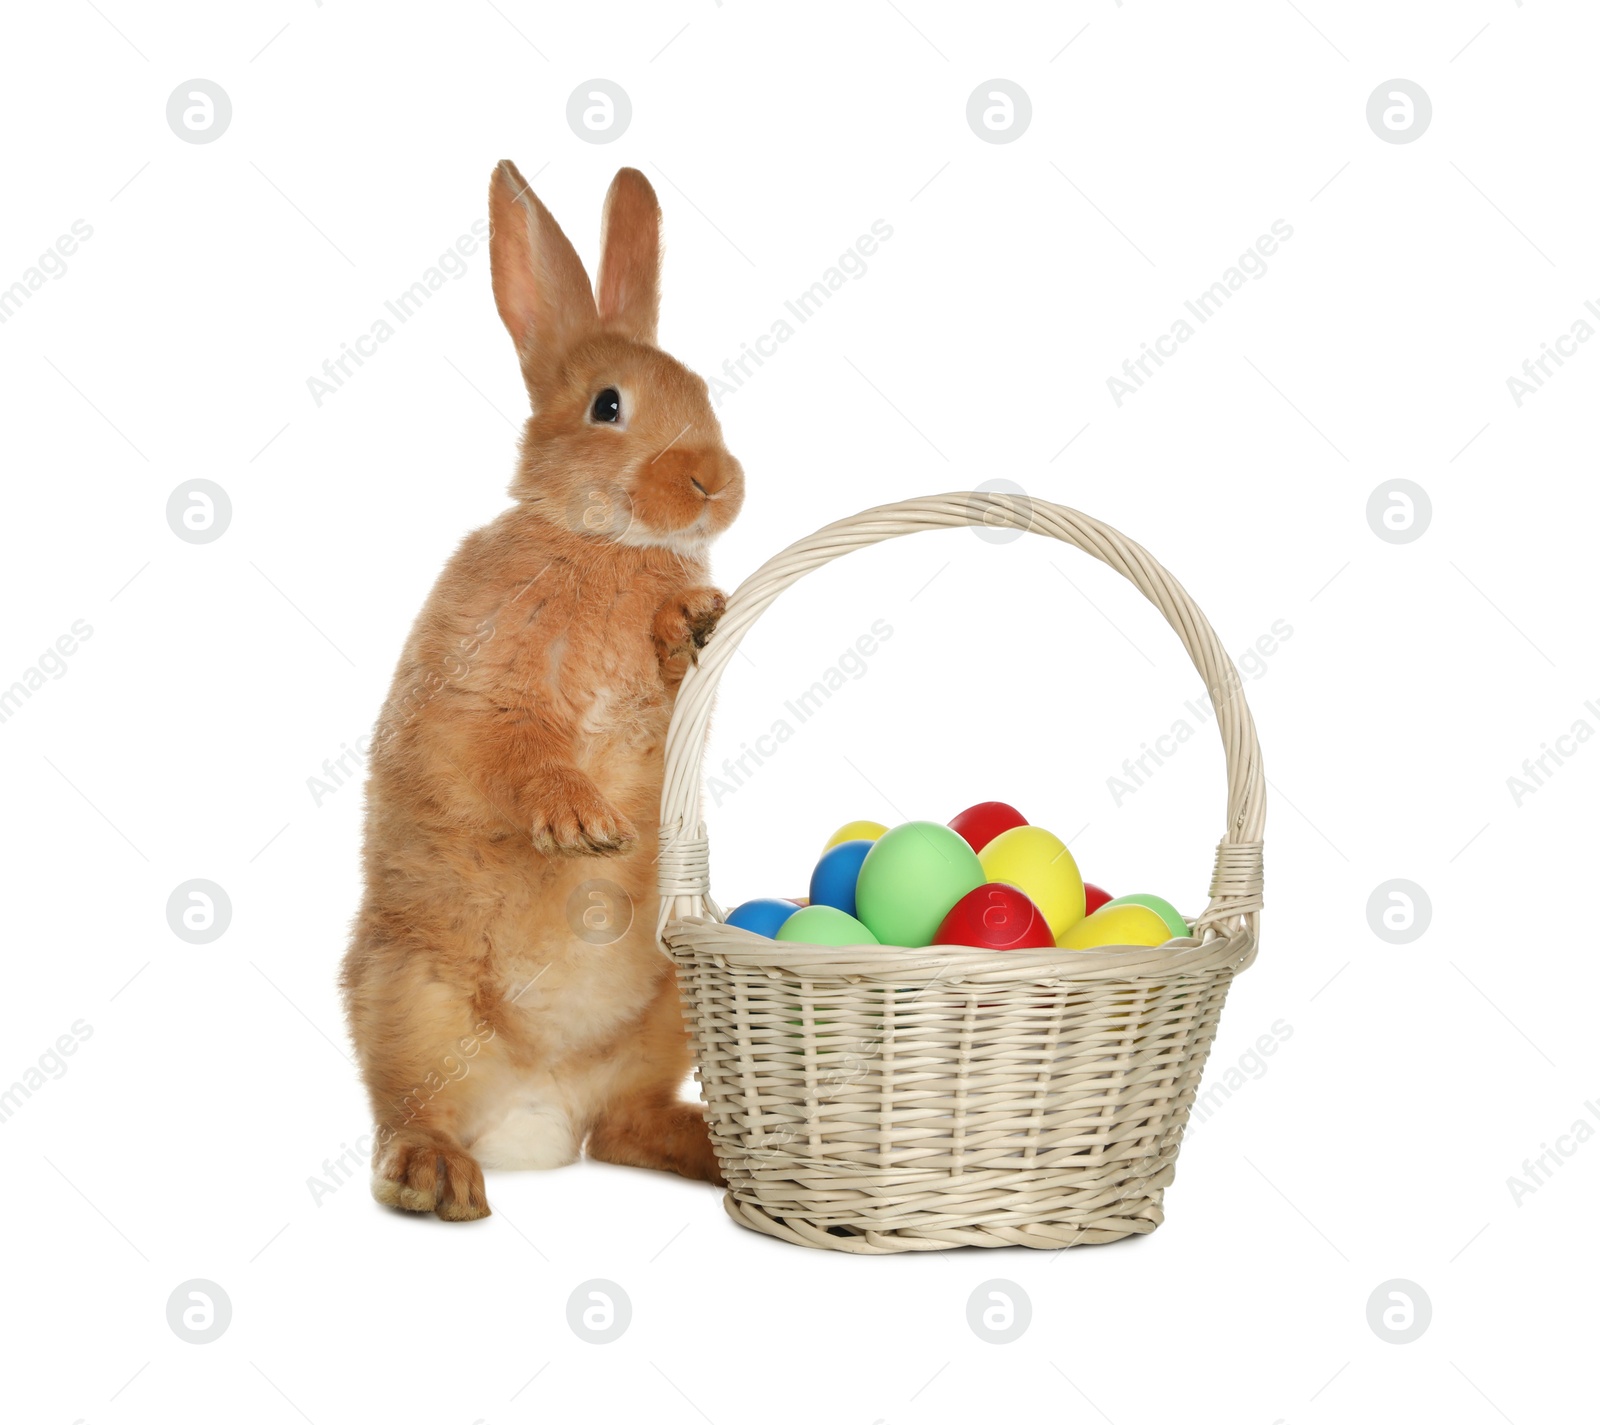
<point>571,817</point>
<point>685,623</point>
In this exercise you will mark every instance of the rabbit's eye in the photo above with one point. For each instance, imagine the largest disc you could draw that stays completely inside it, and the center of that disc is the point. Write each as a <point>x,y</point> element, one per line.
<point>607,405</point>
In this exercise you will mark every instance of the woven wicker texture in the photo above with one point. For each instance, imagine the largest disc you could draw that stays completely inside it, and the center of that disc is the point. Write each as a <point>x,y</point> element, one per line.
<point>879,1099</point>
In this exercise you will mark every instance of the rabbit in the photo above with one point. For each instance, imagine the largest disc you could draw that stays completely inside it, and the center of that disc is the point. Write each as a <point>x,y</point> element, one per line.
<point>515,774</point>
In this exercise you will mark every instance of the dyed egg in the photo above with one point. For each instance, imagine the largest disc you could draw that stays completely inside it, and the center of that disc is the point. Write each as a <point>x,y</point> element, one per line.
<point>1039,865</point>
<point>855,831</point>
<point>1094,898</point>
<point>1115,925</point>
<point>1175,923</point>
<point>762,917</point>
<point>911,878</point>
<point>824,925</point>
<point>979,825</point>
<point>834,880</point>
<point>995,917</point>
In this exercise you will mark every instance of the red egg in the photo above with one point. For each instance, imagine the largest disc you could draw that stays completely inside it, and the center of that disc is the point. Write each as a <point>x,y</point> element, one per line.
<point>979,825</point>
<point>1093,899</point>
<point>995,917</point>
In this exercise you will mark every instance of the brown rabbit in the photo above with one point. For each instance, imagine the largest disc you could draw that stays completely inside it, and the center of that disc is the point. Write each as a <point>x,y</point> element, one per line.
<point>522,740</point>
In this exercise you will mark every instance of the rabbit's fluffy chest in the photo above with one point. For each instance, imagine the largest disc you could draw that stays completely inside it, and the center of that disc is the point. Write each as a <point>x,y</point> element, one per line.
<point>586,654</point>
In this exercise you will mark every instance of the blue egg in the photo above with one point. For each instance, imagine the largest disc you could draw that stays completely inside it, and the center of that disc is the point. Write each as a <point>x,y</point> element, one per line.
<point>834,881</point>
<point>764,916</point>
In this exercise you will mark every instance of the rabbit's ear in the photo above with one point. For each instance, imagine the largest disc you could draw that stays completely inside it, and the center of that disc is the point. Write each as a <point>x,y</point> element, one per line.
<point>630,257</point>
<point>540,286</point>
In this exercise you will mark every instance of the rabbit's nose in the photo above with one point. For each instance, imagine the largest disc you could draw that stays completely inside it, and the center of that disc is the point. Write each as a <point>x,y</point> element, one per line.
<point>705,471</point>
<point>711,475</point>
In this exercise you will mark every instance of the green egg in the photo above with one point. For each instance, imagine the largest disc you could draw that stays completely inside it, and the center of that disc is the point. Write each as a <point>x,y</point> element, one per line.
<point>824,925</point>
<point>911,878</point>
<point>1174,922</point>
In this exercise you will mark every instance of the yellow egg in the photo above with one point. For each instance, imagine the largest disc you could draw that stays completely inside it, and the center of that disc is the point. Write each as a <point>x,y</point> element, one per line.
<point>856,831</point>
<point>1117,925</point>
<point>1039,865</point>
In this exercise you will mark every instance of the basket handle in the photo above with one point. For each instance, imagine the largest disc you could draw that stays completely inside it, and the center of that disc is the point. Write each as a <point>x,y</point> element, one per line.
<point>683,866</point>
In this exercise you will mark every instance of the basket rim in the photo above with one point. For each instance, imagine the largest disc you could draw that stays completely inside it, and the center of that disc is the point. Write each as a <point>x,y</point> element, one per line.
<point>957,965</point>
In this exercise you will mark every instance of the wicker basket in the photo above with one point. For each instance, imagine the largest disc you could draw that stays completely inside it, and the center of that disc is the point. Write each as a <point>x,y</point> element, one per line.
<point>878,1099</point>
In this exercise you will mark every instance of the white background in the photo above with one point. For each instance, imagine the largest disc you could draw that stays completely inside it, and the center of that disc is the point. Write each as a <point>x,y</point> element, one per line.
<point>1165,139</point>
